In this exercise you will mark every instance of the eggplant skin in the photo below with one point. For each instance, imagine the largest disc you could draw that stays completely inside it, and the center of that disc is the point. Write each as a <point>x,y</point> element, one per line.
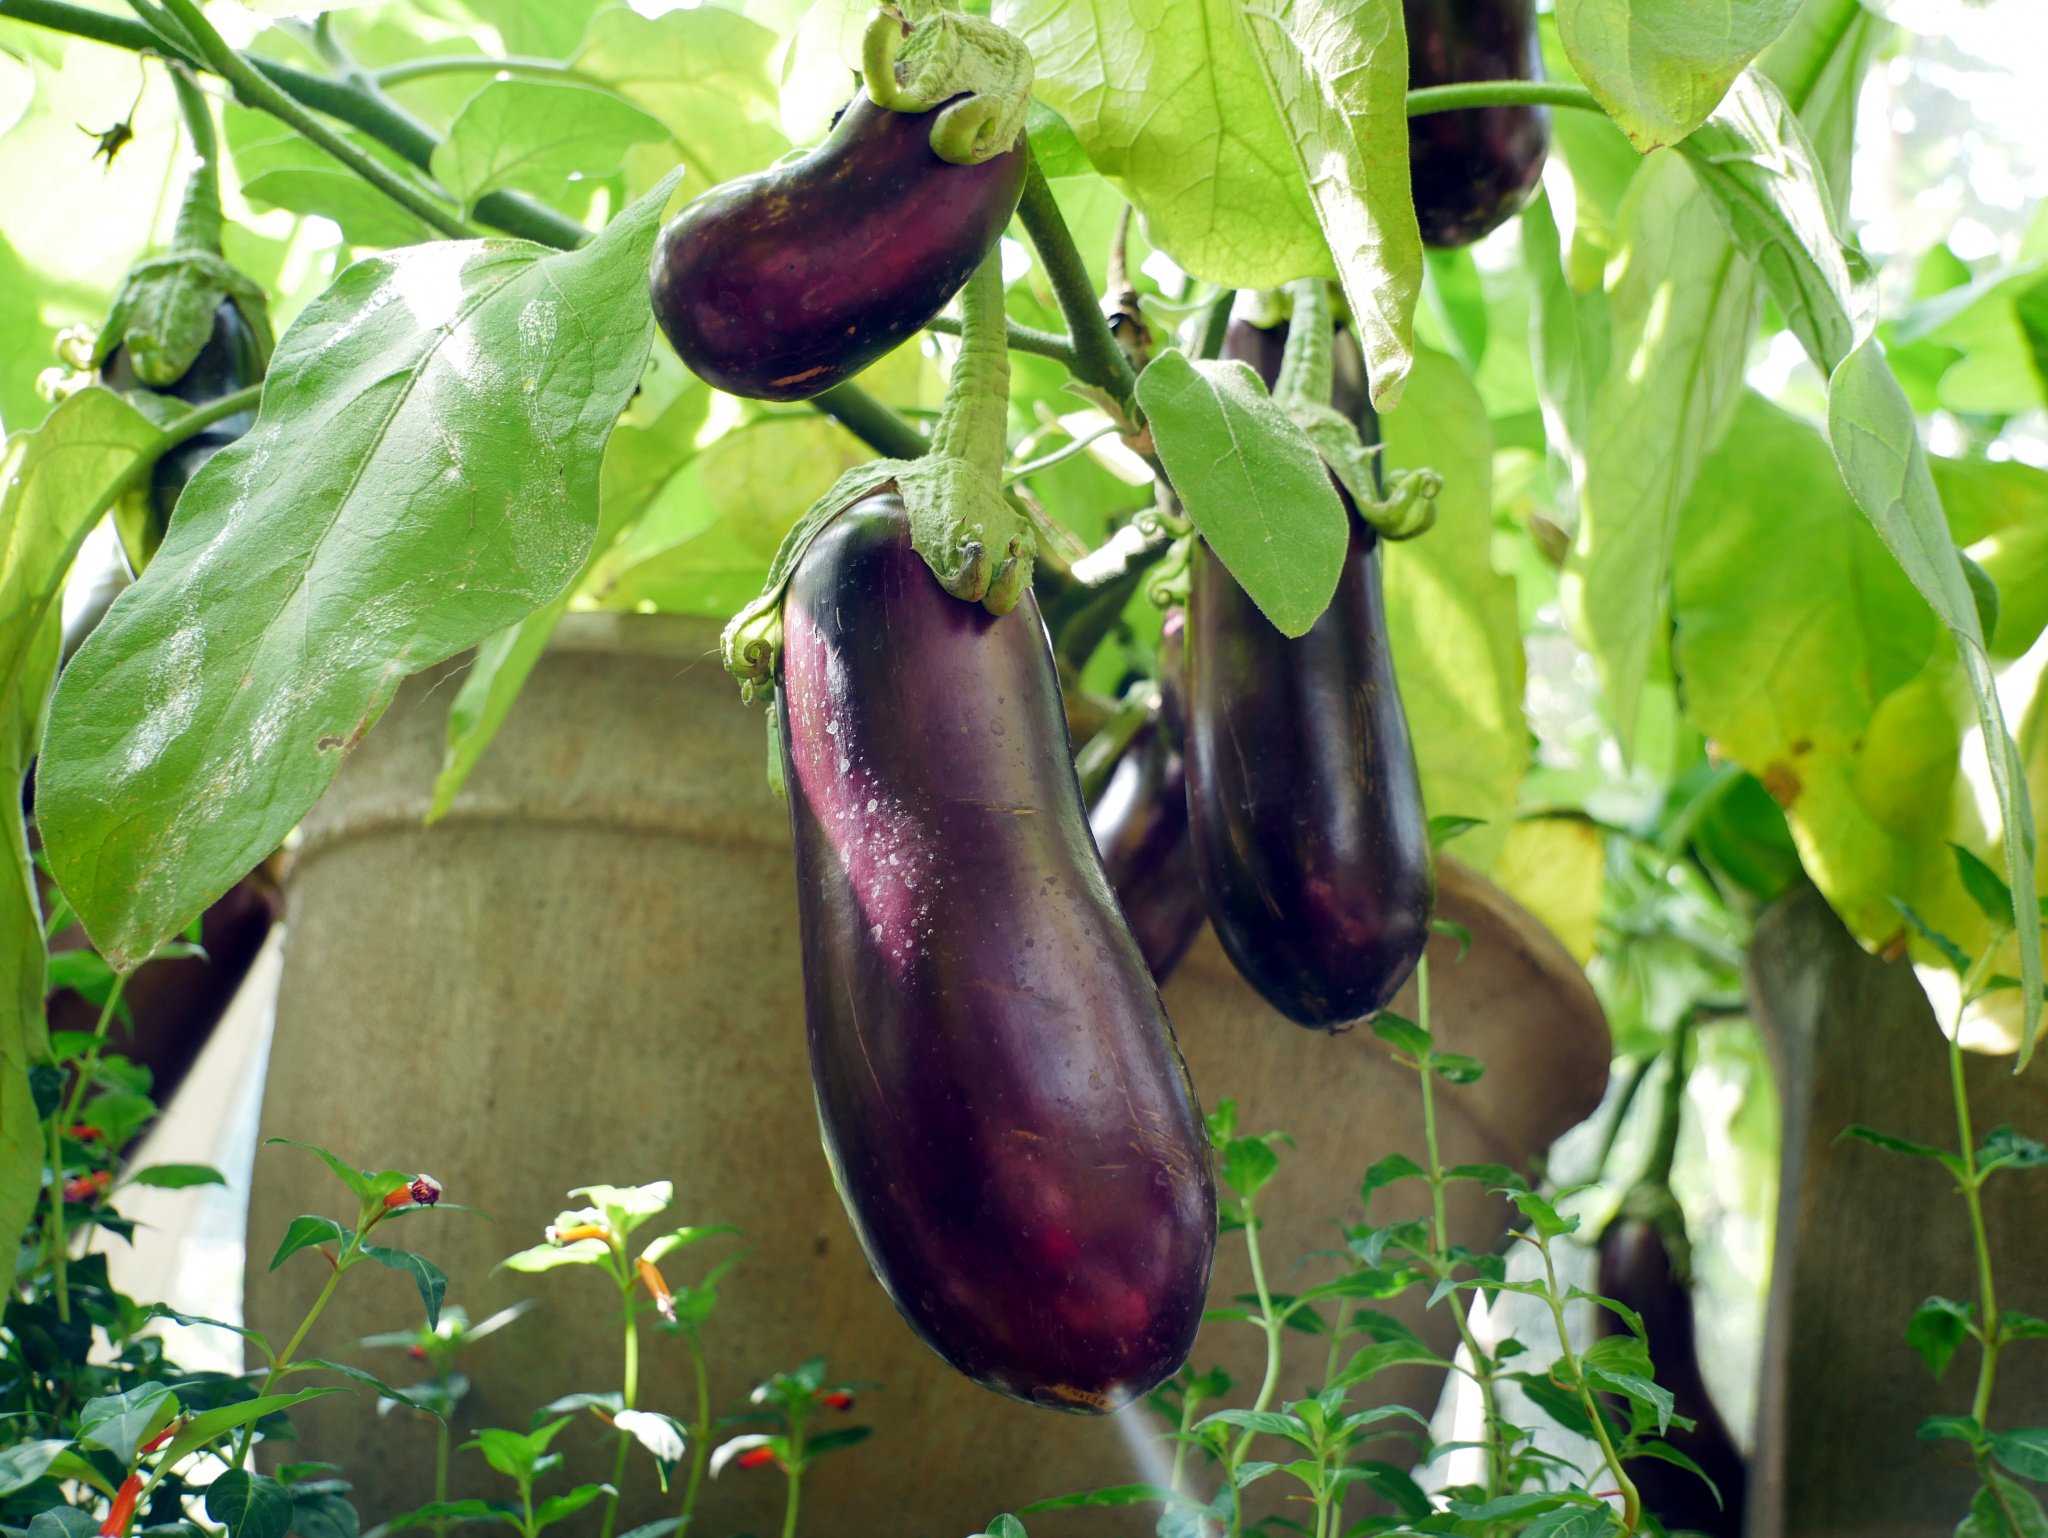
<point>781,285</point>
<point>231,360</point>
<point>1636,1269</point>
<point>1473,168</point>
<point>1309,832</point>
<point>1002,1101</point>
<point>1140,822</point>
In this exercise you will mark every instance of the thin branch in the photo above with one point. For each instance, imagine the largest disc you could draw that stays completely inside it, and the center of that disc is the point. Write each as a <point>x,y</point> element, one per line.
<point>480,64</point>
<point>1500,93</point>
<point>1044,344</point>
<point>254,88</point>
<point>875,424</point>
<point>370,112</point>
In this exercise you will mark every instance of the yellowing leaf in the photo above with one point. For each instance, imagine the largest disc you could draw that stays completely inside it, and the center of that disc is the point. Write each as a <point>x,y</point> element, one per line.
<point>1555,867</point>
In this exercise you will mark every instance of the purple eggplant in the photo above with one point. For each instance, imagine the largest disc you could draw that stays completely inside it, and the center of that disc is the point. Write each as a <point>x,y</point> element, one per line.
<point>1004,1106</point>
<point>781,285</point>
<point>1636,1268</point>
<point>1473,168</point>
<point>1310,836</point>
<point>1140,822</point>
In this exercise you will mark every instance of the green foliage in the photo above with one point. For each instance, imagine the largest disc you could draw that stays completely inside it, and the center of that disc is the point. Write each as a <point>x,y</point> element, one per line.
<point>1660,67</point>
<point>534,136</point>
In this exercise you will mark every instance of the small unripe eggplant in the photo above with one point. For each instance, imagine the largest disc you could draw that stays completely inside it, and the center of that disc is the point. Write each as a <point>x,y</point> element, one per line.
<point>1636,1269</point>
<point>1471,169</point>
<point>1140,822</point>
<point>232,359</point>
<point>781,285</point>
<point>1310,835</point>
<point>1002,1101</point>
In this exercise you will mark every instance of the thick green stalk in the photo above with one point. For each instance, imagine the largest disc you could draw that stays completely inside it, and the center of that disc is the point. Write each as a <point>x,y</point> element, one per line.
<point>796,1471</point>
<point>1499,93</point>
<point>1306,364</point>
<point>198,226</point>
<point>973,425</point>
<point>409,70</point>
<point>629,1393</point>
<point>256,89</point>
<point>246,1434</point>
<point>1097,359</point>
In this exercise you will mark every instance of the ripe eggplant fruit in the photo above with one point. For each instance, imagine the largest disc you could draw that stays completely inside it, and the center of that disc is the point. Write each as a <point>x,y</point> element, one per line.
<point>1002,1101</point>
<point>1636,1269</point>
<point>781,285</point>
<point>1473,168</point>
<point>232,359</point>
<point>1310,836</point>
<point>1140,823</point>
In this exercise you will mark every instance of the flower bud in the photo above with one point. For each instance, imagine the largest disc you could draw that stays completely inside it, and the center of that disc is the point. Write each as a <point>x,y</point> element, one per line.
<point>836,1399</point>
<point>123,1510</point>
<point>657,1288</point>
<point>754,1457</point>
<point>86,1187</point>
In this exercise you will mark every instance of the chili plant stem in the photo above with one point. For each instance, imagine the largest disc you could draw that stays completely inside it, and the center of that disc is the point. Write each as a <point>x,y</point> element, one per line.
<point>440,1474</point>
<point>256,89</point>
<point>1972,1188</point>
<point>1479,1373</point>
<point>629,1392</point>
<point>700,1434</point>
<point>1097,359</point>
<point>1631,1500</point>
<point>67,1112</point>
<point>246,1433</point>
<point>797,1421</point>
<point>1267,1322</point>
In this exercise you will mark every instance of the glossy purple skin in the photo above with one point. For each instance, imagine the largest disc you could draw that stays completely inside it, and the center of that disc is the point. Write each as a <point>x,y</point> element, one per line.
<point>1474,168</point>
<point>1635,1269</point>
<point>781,285</point>
<point>1002,1100</point>
<point>1140,822</point>
<point>1310,836</point>
<point>231,360</point>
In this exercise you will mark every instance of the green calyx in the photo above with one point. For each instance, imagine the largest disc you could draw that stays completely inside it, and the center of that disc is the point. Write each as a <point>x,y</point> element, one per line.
<point>1302,390</point>
<point>163,312</point>
<point>934,55</point>
<point>978,545</point>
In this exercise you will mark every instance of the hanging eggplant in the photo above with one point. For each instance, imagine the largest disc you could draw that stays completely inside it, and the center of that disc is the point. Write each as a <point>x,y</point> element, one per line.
<point>781,285</point>
<point>1310,834</point>
<point>1003,1104</point>
<point>1473,168</point>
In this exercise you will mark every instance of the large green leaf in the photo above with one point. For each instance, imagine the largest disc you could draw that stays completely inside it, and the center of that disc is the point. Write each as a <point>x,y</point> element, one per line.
<point>704,73</point>
<point>1757,166</point>
<point>1660,66</point>
<point>54,485</point>
<point>1684,308</point>
<point>1337,74</point>
<point>1251,481</point>
<point>424,472</point>
<point>534,135</point>
<point>24,344</point>
<point>1171,105</point>
<point>550,29</point>
<point>1877,446</point>
<point>1451,617</point>
<point>1805,653</point>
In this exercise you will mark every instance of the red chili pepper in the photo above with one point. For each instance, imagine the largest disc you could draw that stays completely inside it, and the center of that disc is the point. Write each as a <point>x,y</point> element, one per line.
<point>836,1399</point>
<point>86,1187</point>
<point>84,1134</point>
<point>123,1511</point>
<point>417,1353</point>
<point>754,1457</point>
<point>657,1287</point>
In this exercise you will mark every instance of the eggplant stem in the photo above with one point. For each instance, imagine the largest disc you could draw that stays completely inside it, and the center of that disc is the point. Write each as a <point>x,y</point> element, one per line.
<point>1097,359</point>
<point>199,217</point>
<point>1306,364</point>
<point>973,425</point>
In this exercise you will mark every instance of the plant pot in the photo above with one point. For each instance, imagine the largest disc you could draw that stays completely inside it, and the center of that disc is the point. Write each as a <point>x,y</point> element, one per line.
<point>588,971</point>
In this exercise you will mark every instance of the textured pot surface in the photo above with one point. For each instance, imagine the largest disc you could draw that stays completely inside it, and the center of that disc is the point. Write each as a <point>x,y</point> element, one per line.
<point>589,972</point>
